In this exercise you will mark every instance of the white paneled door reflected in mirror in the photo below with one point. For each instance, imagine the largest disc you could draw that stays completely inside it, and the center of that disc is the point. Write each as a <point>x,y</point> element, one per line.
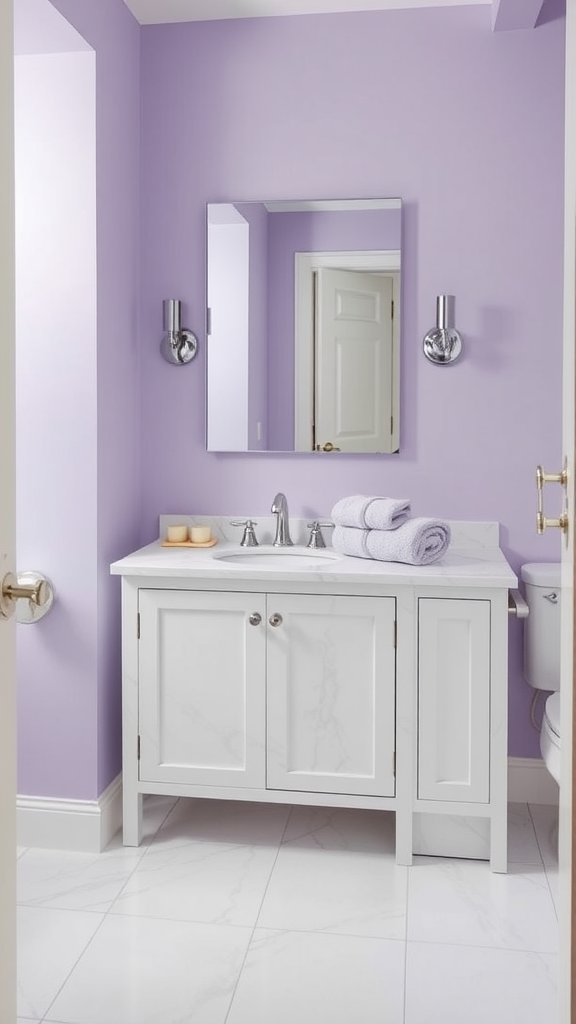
<point>303,352</point>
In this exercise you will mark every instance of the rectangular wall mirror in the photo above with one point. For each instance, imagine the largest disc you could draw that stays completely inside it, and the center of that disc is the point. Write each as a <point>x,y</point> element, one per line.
<point>303,347</point>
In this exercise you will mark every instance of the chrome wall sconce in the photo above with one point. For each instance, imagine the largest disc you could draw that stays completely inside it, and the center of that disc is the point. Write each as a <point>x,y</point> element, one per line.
<point>443,344</point>
<point>178,346</point>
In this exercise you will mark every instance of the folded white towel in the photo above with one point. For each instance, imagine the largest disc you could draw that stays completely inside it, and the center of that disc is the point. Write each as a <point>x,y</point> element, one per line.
<point>371,513</point>
<point>350,541</point>
<point>417,542</point>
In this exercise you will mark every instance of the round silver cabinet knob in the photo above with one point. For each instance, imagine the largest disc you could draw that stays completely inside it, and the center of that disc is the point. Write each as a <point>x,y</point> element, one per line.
<point>275,620</point>
<point>255,619</point>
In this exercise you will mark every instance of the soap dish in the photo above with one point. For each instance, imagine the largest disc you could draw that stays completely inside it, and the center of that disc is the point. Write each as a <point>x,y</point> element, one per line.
<point>189,543</point>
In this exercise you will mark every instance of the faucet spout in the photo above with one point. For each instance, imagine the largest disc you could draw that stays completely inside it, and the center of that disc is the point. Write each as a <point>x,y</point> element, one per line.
<point>280,509</point>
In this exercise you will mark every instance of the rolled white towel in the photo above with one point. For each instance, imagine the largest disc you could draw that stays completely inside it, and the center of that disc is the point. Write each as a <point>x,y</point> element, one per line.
<point>420,541</point>
<point>371,513</point>
<point>350,541</point>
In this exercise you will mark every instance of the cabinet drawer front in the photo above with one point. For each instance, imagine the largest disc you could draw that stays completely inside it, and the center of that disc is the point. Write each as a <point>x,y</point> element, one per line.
<point>201,708</point>
<point>454,700</point>
<point>331,694</point>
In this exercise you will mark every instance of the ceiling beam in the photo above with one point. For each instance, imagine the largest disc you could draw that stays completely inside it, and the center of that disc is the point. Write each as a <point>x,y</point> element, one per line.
<point>511,14</point>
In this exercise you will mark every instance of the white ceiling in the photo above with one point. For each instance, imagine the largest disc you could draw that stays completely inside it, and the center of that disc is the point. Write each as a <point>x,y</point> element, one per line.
<point>157,12</point>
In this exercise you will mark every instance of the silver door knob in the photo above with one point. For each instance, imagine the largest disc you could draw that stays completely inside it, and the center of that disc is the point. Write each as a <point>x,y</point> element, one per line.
<point>255,619</point>
<point>275,620</point>
<point>37,592</point>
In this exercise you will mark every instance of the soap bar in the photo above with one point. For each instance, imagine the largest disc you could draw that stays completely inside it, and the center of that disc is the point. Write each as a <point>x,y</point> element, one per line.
<point>176,534</point>
<point>200,534</point>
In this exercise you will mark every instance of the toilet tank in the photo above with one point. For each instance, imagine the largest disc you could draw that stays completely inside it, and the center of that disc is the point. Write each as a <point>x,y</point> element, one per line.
<point>542,626</point>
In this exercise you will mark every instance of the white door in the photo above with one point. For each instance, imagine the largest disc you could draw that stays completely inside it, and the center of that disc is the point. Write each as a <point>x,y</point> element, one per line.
<point>201,674</point>
<point>567,831</point>
<point>331,694</point>
<point>353,365</point>
<point>7,526</point>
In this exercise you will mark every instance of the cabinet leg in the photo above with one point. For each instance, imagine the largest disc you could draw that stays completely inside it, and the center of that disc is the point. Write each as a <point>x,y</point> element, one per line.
<point>499,844</point>
<point>404,838</point>
<point>132,819</point>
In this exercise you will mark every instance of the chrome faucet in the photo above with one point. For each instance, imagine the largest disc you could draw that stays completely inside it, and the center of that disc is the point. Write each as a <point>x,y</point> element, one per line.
<point>280,509</point>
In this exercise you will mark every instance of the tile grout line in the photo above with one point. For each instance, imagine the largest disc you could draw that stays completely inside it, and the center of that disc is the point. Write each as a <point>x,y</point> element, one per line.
<point>249,943</point>
<point>104,914</point>
<point>543,861</point>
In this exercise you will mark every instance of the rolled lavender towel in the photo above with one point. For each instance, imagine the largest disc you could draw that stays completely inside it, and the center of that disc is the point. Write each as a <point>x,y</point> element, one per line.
<point>419,542</point>
<point>371,513</point>
<point>350,541</point>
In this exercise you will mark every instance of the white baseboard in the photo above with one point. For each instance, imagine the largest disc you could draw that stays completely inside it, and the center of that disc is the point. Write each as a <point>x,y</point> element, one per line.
<point>529,782</point>
<point>83,826</point>
<point>89,825</point>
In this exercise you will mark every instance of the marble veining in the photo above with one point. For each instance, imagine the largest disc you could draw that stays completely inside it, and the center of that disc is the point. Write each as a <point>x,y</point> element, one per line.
<point>473,559</point>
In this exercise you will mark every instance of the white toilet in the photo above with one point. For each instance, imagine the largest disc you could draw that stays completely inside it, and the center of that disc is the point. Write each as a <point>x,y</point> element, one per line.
<point>542,651</point>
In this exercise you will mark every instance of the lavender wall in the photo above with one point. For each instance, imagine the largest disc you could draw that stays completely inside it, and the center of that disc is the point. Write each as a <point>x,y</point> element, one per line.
<point>69,726</point>
<point>466,126</point>
<point>56,288</point>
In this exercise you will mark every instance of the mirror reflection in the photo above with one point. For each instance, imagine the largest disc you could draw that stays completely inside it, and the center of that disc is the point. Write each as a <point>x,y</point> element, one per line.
<point>304,326</point>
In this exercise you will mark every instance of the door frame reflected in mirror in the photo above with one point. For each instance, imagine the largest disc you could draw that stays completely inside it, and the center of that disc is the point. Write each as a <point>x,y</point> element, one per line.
<point>386,262</point>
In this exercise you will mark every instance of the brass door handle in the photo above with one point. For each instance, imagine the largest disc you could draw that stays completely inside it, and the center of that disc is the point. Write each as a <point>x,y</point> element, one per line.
<point>38,592</point>
<point>328,447</point>
<point>543,522</point>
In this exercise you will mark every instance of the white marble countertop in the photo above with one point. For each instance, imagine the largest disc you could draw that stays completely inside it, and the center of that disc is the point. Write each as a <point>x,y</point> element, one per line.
<point>474,559</point>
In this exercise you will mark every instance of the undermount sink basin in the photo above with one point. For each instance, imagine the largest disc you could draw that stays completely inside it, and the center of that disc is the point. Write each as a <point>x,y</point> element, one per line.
<point>278,558</point>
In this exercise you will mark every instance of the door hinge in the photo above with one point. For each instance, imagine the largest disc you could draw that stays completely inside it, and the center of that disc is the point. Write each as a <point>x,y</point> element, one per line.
<point>391,424</point>
<point>394,763</point>
<point>392,309</point>
<point>395,633</point>
<point>208,321</point>
<point>138,625</point>
<point>138,753</point>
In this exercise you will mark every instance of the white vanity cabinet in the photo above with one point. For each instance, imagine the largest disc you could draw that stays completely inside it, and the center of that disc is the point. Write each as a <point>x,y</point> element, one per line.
<point>353,684</point>
<point>285,691</point>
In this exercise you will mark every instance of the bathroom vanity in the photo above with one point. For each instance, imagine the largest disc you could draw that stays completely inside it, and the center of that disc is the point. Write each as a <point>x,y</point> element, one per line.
<point>306,677</point>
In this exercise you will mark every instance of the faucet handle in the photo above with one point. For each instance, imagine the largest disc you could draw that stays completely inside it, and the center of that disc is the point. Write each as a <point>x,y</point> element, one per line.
<point>316,538</point>
<point>249,539</point>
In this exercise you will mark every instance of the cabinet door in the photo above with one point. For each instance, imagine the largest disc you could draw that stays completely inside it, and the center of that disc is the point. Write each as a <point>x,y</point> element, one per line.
<point>201,688</point>
<point>454,700</point>
<point>331,694</point>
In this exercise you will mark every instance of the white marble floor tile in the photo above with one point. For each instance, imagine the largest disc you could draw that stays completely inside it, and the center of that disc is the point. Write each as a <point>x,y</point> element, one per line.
<point>334,828</point>
<point>545,820</point>
<point>49,945</point>
<point>448,984</point>
<point>140,971</point>
<point>74,881</point>
<point>522,844</point>
<point>299,978</point>
<point>225,821</point>
<point>214,882</point>
<point>336,891</point>
<point>458,901</point>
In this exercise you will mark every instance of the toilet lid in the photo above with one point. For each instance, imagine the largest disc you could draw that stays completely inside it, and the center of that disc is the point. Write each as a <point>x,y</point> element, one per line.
<point>552,713</point>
